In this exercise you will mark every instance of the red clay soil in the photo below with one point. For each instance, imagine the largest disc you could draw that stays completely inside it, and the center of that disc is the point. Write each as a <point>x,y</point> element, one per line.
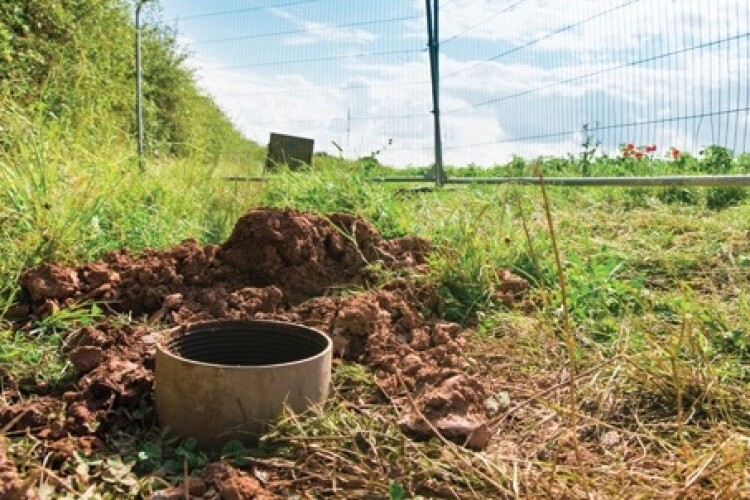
<point>417,361</point>
<point>273,258</point>
<point>279,264</point>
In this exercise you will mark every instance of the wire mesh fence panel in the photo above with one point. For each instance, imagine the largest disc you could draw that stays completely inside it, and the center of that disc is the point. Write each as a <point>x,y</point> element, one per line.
<point>555,77</point>
<point>517,77</point>
<point>353,76</point>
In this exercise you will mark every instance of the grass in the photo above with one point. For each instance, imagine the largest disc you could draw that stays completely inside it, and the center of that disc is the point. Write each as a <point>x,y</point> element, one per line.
<point>645,393</point>
<point>34,357</point>
<point>658,305</point>
<point>73,207</point>
<point>658,308</point>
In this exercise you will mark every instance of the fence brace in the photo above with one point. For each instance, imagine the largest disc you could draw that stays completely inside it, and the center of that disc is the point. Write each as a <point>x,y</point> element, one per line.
<point>665,180</point>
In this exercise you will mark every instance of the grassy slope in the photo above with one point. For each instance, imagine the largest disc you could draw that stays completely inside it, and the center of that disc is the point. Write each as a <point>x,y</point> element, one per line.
<point>71,186</point>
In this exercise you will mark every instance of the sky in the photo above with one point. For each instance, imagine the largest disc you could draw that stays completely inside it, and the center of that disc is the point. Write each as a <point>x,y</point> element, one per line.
<point>521,77</point>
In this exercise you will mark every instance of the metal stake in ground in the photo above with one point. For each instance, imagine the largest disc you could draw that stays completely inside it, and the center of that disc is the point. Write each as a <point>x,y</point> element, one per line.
<point>433,43</point>
<point>138,83</point>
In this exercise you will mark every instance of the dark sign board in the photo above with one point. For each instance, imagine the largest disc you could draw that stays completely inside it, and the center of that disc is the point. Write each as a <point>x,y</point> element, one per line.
<point>289,150</point>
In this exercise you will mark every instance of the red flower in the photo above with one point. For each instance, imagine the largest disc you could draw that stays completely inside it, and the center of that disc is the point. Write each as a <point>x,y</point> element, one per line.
<point>630,146</point>
<point>651,148</point>
<point>625,153</point>
<point>639,154</point>
<point>675,153</point>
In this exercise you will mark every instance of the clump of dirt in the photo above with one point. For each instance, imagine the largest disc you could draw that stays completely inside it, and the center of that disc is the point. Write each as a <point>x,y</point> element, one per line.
<point>279,264</point>
<point>115,367</point>
<point>11,484</point>
<point>418,361</point>
<point>219,480</point>
<point>303,254</point>
<point>511,289</point>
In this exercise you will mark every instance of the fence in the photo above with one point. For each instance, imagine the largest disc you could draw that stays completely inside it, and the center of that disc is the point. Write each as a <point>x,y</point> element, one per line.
<point>526,77</point>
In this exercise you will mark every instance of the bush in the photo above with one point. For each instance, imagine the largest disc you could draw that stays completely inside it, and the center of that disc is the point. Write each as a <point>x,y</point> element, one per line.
<point>718,198</point>
<point>679,194</point>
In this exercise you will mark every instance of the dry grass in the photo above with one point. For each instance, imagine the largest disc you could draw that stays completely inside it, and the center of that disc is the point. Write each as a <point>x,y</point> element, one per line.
<point>662,409</point>
<point>634,441</point>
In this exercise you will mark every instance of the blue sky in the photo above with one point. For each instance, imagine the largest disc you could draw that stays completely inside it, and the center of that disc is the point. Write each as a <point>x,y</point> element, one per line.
<point>517,76</point>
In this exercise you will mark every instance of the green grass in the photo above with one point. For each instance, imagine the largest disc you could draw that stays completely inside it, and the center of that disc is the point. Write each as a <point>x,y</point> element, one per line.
<point>71,184</point>
<point>658,303</point>
<point>61,207</point>
<point>657,293</point>
<point>336,186</point>
<point>35,357</point>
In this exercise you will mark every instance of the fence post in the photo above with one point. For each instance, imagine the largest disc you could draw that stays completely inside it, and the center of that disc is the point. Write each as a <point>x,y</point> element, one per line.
<point>433,43</point>
<point>139,84</point>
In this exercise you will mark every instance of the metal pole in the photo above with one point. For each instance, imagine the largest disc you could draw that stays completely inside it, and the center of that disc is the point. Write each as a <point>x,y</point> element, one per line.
<point>665,180</point>
<point>139,84</point>
<point>433,42</point>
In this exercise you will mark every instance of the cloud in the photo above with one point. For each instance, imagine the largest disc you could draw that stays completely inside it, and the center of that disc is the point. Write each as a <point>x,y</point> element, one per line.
<point>266,103</point>
<point>610,73</point>
<point>317,32</point>
<point>617,25</point>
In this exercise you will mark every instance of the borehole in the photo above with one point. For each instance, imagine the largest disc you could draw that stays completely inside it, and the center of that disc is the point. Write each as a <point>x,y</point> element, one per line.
<point>225,380</point>
<point>242,343</point>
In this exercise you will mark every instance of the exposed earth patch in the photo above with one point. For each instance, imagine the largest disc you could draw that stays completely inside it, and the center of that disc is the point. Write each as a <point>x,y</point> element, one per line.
<point>277,264</point>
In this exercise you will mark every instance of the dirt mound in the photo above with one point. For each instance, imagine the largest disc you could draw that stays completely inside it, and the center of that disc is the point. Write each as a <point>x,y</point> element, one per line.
<point>303,254</point>
<point>272,258</point>
<point>418,362</point>
<point>272,266</point>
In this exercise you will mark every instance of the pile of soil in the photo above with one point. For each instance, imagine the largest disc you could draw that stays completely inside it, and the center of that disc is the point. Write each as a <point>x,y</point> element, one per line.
<point>273,258</point>
<point>277,264</point>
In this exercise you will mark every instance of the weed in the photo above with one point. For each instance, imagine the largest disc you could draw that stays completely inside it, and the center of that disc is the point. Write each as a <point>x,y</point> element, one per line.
<point>718,198</point>
<point>676,194</point>
<point>34,360</point>
<point>35,357</point>
<point>599,295</point>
